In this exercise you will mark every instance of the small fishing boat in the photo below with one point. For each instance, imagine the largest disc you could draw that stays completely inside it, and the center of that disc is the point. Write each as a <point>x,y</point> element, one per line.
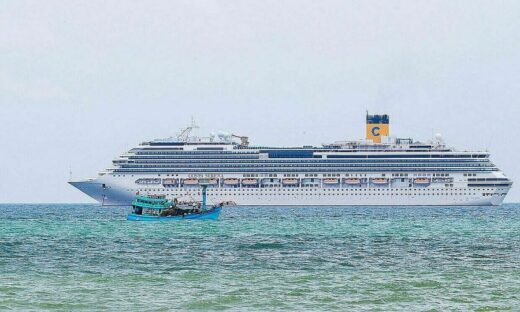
<point>158,208</point>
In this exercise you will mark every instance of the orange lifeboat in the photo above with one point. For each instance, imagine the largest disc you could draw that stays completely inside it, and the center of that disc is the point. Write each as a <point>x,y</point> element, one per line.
<point>191,181</point>
<point>231,181</point>
<point>331,181</point>
<point>290,181</point>
<point>249,181</point>
<point>380,181</point>
<point>352,181</point>
<point>421,181</point>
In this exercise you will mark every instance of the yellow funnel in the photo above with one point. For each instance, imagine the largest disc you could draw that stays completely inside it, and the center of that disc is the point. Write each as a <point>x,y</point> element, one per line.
<point>377,126</point>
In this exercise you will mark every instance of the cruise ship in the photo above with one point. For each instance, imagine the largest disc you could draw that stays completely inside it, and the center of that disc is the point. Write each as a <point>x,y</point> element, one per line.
<point>378,170</point>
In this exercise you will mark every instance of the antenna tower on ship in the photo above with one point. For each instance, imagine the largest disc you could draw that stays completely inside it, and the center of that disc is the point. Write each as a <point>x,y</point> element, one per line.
<point>184,135</point>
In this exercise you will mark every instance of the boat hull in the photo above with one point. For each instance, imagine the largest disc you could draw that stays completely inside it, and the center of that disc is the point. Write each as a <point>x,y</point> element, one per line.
<point>212,214</point>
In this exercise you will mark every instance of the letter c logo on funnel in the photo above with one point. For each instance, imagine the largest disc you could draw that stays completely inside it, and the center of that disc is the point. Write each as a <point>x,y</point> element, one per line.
<point>375,131</point>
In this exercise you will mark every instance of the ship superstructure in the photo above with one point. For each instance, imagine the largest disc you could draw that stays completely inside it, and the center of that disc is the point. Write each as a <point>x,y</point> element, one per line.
<point>379,170</point>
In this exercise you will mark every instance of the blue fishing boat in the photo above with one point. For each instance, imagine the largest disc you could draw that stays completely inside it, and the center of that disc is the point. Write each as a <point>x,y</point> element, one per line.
<point>158,208</point>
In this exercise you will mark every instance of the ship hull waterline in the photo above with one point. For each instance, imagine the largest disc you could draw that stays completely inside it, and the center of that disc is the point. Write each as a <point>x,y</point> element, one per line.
<point>257,197</point>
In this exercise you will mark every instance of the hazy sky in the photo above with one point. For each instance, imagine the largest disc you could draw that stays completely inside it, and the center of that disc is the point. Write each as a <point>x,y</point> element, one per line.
<point>83,81</point>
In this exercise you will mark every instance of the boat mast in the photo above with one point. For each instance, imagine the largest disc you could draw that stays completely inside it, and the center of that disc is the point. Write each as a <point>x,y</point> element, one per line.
<point>204,187</point>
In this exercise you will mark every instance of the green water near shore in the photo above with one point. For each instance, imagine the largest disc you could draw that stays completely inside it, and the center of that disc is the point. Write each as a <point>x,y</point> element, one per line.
<point>84,257</point>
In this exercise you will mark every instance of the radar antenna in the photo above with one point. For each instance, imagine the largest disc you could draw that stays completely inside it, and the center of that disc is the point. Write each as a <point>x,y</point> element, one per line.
<point>184,135</point>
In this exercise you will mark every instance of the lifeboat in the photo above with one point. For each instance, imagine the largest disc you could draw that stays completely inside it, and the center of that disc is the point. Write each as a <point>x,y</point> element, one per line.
<point>352,181</point>
<point>380,181</point>
<point>191,181</point>
<point>208,181</point>
<point>169,181</point>
<point>148,181</point>
<point>249,181</point>
<point>231,181</point>
<point>331,181</point>
<point>421,181</point>
<point>290,181</point>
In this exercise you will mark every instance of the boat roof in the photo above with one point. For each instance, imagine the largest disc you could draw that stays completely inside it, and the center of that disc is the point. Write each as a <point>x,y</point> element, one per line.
<point>150,202</point>
<point>150,199</point>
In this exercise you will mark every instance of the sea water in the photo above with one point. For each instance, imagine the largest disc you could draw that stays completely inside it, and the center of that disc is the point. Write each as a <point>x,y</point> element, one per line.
<point>87,257</point>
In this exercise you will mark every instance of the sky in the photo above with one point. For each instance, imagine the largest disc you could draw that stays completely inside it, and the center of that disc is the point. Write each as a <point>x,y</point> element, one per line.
<point>83,81</point>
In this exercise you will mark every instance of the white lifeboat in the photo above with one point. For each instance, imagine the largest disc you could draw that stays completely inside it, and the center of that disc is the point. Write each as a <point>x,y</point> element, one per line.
<point>331,181</point>
<point>191,182</point>
<point>208,181</point>
<point>169,181</point>
<point>231,181</point>
<point>249,181</point>
<point>380,181</point>
<point>352,181</point>
<point>421,181</point>
<point>290,181</point>
<point>148,181</point>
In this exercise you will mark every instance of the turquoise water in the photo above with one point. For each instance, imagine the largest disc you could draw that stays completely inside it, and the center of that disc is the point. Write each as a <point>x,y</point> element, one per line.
<point>84,257</point>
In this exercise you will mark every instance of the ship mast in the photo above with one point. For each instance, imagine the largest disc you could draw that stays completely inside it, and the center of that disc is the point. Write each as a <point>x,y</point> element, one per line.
<point>184,135</point>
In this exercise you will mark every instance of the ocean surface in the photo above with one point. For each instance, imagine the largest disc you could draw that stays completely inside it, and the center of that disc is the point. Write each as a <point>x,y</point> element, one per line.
<point>86,257</point>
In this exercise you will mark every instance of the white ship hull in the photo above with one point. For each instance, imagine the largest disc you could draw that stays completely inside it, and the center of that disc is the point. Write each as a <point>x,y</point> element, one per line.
<point>114,194</point>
